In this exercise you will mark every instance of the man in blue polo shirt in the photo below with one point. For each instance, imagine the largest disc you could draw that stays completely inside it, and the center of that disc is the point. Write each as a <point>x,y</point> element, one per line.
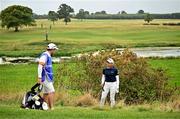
<point>45,74</point>
<point>109,83</point>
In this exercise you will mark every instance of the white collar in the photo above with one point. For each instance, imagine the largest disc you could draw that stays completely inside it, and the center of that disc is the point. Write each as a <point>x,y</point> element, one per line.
<point>48,53</point>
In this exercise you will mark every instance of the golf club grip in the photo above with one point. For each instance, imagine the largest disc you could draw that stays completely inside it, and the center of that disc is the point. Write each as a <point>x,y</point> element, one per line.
<point>35,86</point>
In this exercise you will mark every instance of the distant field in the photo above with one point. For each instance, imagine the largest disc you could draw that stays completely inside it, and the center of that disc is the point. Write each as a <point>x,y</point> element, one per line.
<point>89,35</point>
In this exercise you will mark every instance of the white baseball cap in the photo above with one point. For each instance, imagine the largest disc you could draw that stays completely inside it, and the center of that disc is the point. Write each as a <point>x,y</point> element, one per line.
<point>52,46</point>
<point>110,61</point>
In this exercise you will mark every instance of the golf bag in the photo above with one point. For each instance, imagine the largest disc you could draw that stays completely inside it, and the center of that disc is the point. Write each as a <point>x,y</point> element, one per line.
<point>33,100</point>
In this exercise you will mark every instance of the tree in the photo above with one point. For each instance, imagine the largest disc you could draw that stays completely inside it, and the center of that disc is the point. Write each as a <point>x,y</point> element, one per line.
<point>123,12</point>
<point>16,16</point>
<point>101,12</point>
<point>141,12</point>
<point>148,18</point>
<point>96,13</point>
<point>52,15</point>
<point>86,12</point>
<point>37,16</point>
<point>81,14</point>
<point>64,12</point>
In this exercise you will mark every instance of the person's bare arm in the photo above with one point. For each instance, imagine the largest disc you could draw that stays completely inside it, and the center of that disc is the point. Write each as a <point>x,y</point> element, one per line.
<point>40,69</point>
<point>102,80</point>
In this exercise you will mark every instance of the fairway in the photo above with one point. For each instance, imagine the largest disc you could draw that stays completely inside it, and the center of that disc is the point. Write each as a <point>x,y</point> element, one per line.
<point>88,35</point>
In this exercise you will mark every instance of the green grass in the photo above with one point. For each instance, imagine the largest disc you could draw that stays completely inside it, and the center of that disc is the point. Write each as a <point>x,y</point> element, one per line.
<point>9,112</point>
<point>16,79</point>
<point>77,37</point>
<point>172,66</point>
<point>89,35</point>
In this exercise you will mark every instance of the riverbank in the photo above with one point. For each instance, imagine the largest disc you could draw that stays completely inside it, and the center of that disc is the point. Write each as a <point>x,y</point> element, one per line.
<point>147,52</point>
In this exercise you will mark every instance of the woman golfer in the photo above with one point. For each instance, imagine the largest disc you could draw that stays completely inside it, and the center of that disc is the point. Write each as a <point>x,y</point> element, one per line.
<point>109,83</point>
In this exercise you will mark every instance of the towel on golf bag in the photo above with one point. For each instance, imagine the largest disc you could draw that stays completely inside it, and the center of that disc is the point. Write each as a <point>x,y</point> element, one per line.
<point>33,100</point>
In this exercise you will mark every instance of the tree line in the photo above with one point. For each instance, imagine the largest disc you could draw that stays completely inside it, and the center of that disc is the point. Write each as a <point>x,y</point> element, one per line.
<point>84,14</point>
<point>16,16</point>
<point>141,14</point>
<point>115,16</point>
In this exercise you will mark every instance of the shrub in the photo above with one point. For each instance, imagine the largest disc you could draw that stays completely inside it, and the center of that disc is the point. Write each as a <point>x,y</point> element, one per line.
<point>138,81</point>
<point>73,76</point>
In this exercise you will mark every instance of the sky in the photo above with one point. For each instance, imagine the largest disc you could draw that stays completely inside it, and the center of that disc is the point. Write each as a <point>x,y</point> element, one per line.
<point>110,6</point>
